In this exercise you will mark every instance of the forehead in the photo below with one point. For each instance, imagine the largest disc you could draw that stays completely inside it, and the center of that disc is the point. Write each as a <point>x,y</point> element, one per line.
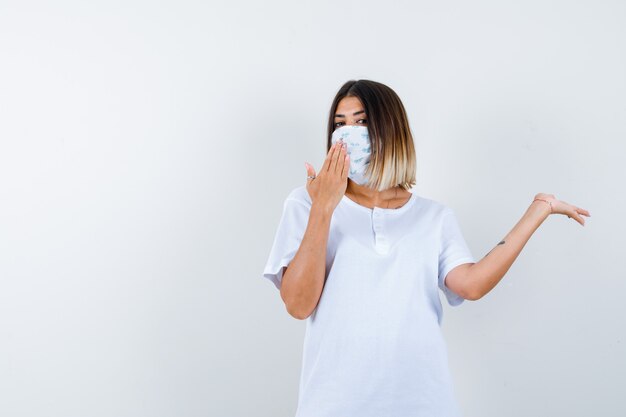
<point>349,105</point>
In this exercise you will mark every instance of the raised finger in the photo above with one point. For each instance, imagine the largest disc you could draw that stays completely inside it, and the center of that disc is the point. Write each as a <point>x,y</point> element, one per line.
<point>583,212</point>
<point>346,166</point>
<point>338,158</point>
<point>328,159</point>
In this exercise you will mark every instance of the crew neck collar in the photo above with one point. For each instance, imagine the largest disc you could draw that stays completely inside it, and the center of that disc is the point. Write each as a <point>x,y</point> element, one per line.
<point>405,207</point>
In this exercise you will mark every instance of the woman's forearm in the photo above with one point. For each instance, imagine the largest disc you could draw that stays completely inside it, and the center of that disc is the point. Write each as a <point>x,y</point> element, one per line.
<point>303,280</point>
<point>485,274</point>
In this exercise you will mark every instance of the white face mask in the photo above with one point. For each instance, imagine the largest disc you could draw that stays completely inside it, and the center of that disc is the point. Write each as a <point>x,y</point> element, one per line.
<point>359,148</point>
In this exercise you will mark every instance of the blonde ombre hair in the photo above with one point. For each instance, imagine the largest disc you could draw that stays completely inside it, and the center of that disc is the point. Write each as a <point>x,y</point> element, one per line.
<point>393,160</point>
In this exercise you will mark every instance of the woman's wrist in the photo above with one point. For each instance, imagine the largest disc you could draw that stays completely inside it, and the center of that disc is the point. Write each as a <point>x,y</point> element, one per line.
<point>543,204</point>
<point>547,201</point>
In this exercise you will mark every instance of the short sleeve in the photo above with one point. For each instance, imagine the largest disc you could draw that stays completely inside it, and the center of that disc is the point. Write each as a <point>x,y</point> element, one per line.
<point>453,252</point>
<point>289,234</point>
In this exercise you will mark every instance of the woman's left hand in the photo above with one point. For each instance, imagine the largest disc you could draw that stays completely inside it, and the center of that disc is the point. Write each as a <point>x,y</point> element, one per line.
<point>562,207</point>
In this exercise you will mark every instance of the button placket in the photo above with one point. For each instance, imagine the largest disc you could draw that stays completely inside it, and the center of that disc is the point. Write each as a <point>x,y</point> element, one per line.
<point>380,239</point>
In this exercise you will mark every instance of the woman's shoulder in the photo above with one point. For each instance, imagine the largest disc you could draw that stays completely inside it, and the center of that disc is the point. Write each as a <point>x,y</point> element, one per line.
<point>431,205</point>
<point>301,195</point>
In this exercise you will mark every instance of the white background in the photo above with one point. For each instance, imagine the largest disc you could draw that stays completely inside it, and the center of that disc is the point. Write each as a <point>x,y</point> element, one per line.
<point>146,149</point>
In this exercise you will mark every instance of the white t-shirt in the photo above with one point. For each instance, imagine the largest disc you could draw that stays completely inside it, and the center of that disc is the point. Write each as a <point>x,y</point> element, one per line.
<point>373,345</point>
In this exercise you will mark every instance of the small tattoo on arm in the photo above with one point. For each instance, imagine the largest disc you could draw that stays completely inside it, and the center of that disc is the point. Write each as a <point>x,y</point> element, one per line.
<point>501,243</point>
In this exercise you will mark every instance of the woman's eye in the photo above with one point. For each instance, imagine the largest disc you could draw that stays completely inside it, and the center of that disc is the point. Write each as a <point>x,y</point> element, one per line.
<point>360,121</point>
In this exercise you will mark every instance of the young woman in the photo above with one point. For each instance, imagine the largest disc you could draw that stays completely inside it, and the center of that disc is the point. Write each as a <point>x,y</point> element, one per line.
<point>361,258</point>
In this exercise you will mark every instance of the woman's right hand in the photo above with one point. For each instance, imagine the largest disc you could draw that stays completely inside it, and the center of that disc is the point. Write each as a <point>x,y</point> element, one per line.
<point>329,185</point>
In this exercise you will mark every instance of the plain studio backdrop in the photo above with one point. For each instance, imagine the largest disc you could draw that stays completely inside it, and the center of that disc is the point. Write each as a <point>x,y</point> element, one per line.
<point>147,148</point>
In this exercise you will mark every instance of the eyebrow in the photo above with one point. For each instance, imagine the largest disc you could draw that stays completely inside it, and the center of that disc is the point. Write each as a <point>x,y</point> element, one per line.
<point>354,114</point>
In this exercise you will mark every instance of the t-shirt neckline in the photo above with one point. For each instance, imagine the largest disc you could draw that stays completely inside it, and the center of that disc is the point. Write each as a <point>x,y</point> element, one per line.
<point>405,207</point>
